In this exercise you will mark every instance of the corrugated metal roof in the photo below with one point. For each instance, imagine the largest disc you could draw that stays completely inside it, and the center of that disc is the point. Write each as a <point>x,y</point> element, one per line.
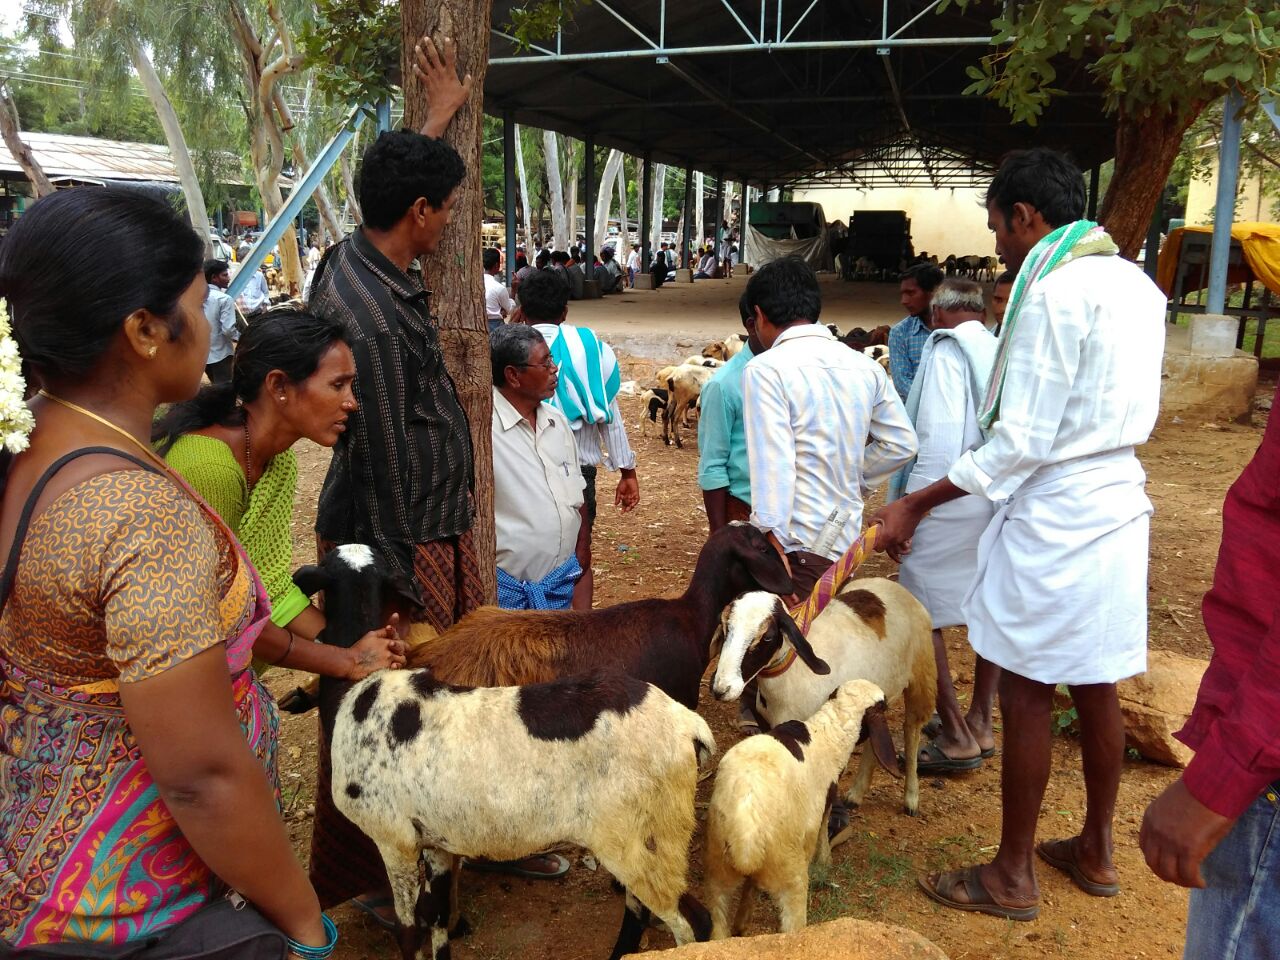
<point>88,158</point>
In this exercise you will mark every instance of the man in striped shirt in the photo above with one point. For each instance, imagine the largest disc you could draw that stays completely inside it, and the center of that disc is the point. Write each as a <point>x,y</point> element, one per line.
<point>824,426</point>
<point>587,395</point>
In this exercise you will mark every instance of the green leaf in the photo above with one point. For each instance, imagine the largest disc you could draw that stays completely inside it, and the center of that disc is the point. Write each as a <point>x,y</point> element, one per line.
<point>1232,39</point>
<point>1220,72</point>
<point>974,73</point>
<point>975,88</point>
<point>1124,29</point>
<point>1204,33</point>
<point>1243,72</point>
<point>1199,53</point>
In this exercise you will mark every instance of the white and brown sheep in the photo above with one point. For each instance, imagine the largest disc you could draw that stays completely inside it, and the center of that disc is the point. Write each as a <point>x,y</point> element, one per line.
<point>432,772</point>
<point>768,813</point>
<point>684,387</point>
<point>727,348</point>
<point>872,629</point>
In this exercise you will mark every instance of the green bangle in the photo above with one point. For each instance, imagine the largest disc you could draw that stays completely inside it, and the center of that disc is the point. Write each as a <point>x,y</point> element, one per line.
<point>316,953</point>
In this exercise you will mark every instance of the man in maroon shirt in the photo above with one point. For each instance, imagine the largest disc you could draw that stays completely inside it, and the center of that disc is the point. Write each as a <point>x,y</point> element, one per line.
<point>1210,829</point>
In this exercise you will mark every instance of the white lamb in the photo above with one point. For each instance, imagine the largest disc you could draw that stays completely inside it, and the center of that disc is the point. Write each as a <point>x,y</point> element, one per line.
<point>768,814</point>
<point>873,629</point>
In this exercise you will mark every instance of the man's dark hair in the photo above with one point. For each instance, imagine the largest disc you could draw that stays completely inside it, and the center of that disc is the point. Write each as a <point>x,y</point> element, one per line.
<point>491,258</point>
<point>521,261</point>
<point>214,267</point>
<point>606,254</point>
<point>786,291</point>
<point>560,257</point>
<point>1044,178</point>
<point>1007,277</point>
<point>398,168</point>
<point>542,259</point>
<point>574,252</point>
<point>745,309</point>
<point>926,276</point>
<point>544,296</point>
<point>510,345</point>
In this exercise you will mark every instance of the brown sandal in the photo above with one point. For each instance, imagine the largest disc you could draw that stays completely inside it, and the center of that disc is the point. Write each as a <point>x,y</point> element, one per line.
<point>942,888</point>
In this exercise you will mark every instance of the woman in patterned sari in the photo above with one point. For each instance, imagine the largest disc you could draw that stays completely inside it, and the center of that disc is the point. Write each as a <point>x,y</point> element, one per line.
<point>137,751</point>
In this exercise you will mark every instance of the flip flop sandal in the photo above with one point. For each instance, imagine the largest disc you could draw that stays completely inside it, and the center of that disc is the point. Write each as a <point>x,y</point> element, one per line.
<point>514,867</point>
<point>839,824</point>
<point>371,906</point>
<point>1061,855</point>
<point>936,761</point>
<point>941,887</point>
<point>987,754</point>
<point>932,728</point>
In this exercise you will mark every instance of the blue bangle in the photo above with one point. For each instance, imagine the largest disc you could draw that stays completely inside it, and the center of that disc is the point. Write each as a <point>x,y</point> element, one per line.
<point>316,953</point>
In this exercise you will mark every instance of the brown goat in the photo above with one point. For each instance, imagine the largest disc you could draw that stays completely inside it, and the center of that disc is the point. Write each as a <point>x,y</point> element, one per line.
<point>665,642</point>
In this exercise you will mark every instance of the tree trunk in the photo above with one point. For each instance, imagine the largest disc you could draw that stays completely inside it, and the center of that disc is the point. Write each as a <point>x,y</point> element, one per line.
<point>11,130</point>
<point>524,195</point>
<point>698,225</point>
<point>349,185</point>
<point>624,227</point>
<point>551,156</point>
<point>266,142</point>
<point>454,273</point>
<point>655,215</point>
<point>1146,147</point>
<point>605,197</point>
<point>186,170</point>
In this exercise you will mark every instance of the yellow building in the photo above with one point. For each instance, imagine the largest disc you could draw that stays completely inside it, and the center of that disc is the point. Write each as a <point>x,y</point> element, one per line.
<point>1253,203</point>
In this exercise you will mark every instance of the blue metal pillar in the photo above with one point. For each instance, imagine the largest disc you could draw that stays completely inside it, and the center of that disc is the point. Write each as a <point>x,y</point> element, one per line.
<point>384,114</point>
<point>509,148</point>
<point>1225,205</point>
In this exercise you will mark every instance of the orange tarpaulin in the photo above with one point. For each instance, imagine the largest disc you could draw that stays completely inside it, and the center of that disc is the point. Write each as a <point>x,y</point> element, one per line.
<point>1260,243</point>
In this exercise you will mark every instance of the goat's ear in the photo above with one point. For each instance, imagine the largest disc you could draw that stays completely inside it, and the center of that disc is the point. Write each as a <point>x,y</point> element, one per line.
<point>311,579</point>
<point>406,589</point>
<point>799,641</point>
<point>768,570</point>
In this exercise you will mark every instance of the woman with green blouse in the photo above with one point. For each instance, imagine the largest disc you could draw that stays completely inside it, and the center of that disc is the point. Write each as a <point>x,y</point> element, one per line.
<point>292,378</point>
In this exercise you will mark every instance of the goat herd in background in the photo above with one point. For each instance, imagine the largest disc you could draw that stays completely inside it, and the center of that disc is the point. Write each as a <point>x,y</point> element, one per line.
<point>516,730</point>
<point>675,395</point>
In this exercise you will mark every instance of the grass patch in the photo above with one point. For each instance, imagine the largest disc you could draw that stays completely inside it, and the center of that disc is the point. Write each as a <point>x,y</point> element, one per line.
<point>855,887</point>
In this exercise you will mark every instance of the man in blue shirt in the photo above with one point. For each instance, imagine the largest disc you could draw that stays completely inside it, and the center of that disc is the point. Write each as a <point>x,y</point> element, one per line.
<point>722,441</point>
<point>908,336</point>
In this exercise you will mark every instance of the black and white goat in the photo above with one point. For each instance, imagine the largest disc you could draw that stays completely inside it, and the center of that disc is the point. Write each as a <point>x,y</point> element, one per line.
<point>431,772</point>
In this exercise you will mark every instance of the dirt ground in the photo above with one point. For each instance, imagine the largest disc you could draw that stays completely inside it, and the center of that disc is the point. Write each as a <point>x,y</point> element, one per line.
<point>651,553</point>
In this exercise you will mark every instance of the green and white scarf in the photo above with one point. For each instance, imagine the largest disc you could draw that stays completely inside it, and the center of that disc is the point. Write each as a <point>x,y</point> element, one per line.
<point>1083,238</point>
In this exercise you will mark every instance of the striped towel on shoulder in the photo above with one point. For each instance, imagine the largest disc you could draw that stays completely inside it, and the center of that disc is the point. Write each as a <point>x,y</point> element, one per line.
<point>589,375</point>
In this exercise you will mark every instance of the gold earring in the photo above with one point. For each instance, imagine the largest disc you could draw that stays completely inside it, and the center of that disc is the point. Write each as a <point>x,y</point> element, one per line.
<point>151,354</point>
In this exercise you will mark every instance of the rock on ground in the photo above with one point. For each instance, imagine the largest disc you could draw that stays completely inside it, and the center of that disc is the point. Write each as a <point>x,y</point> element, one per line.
<point>844,939</point>
<point>1157,703</point>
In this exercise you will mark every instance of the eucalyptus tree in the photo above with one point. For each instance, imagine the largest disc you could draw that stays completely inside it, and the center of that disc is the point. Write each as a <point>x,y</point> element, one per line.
<point>1159,64</point>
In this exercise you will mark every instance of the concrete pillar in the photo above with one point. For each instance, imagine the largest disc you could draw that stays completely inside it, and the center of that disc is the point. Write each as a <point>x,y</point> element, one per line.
<point>1225,205</point>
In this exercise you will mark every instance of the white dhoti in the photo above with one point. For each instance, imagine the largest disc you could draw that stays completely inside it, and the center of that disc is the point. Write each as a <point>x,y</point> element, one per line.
<point>1060,594</point>
<point>944,555</point>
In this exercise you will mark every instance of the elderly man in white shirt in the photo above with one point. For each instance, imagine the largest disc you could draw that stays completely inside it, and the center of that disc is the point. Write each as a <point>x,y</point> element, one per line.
<point>824,426</point>
<point>587,395</point>
<point>946,390</point>
<point>1060,592</point>
<point>497,301</point>
<point>537,499</point>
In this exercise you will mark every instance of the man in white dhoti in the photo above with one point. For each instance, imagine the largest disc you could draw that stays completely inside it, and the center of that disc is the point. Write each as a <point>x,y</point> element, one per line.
<point>943,405</point>
<point>1060,589</point>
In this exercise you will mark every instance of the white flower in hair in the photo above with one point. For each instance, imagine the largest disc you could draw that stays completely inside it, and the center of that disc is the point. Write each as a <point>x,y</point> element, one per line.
<point>16,421</point>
